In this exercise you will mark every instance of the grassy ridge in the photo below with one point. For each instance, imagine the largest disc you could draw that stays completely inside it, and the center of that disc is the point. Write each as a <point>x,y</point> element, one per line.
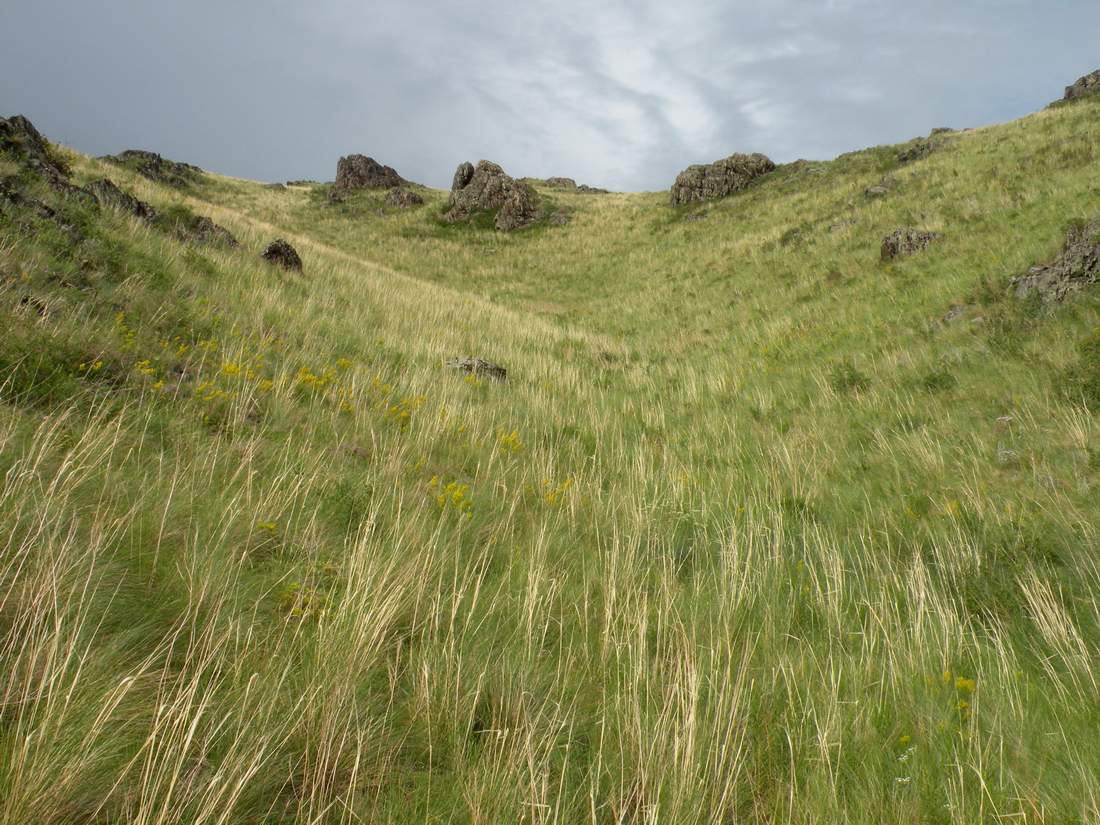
<point>749,535</point>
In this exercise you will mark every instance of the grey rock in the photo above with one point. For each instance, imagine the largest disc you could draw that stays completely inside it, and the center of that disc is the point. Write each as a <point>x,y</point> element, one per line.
<point>919,149</point>
<point>485,187</point>
<point>558,218</point>
<point>479,368</point>
<point>1077,267</point>
<point>361,172</point>
<point>561,183</point>
<point>876,191</point>
<point>157,168</point>
<point>280,253</point>
<point>110,196</point>
<point>906,241</point>
<point>403,198</point>
<point>202,230</point>
<point>276,186</point>
<point>1084,87</point>
<point>719,179</point>
<point>585,189</point>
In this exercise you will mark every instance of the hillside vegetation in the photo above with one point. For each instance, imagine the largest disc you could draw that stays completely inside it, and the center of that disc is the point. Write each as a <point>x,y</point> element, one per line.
<point>750,534</point>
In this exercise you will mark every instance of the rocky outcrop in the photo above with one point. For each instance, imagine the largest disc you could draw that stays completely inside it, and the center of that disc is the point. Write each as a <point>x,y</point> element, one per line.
<point>1076,267</point>
<point>157,168</point>
<point>919,149</point>
<point>361,172</point>
<point>719,179</point>
<point>280,253</point>
<point>1084,87</point>
<point>906,241</point>
<point>585,189</point>
<point>487,187</point>
<point>109,195</point>
<point>560,183</point>
<point>19,138</point>
<point>479,368</point>
<point>403,198</point>
<point>202,230</point>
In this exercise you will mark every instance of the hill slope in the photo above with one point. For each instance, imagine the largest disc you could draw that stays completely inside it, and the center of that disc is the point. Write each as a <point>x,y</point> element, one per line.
<point>749,534</point>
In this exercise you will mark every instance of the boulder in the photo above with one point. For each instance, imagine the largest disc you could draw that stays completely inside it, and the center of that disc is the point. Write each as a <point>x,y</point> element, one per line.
<point>403,198</point>
<point>202,230</point>
<point>485,187</point>
<point>20,140</point>
<point>281,253</point>
<point>719,179</point>
<point>278,187</point>
<point>1085,86</point>
<point>361,172</point>
<point>109,195</point>
<point>920,148</point>
<point>156,168</point>
<point>1076,267</point>
<point>479,368</point>
<point>585,189</point>
<point>906,241</point>
<point>561,183</point>
<point>558,218</point>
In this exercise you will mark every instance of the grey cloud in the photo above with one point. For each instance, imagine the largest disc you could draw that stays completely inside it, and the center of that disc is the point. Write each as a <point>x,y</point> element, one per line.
<point>617,93</point>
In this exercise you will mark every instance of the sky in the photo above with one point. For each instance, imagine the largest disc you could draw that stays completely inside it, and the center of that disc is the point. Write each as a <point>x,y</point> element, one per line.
<point>616,93</point>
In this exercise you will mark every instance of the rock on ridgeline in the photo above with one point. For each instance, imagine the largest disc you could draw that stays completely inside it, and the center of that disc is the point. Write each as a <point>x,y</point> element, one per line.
<point>485,187</point>
<point>157,168</point>
<point>111,196</point>
<point>361,172</point>
<point>1084,87</point>
<point>703,182</point>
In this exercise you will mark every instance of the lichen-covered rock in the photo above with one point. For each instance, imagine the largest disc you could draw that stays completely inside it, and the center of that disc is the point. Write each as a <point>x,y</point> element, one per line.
<point>280,253</point>
<point>403,198</point>
<point>919,149</point>
<point>703,182</point>
<point>109,195</point>
<point>1076,267</point>
<point>479,368</point>
<point>561,183</point>
<point>157,168</point>
<point>485,187</point>
<point>906,241</point>
<point>1084,87</point>
<point>361,172</point>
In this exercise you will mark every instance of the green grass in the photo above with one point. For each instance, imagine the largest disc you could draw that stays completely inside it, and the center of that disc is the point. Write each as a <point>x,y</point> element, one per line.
<point>749,535</point>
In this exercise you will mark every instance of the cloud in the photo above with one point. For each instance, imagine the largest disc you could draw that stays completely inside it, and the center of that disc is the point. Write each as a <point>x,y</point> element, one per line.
<point>618,93</point>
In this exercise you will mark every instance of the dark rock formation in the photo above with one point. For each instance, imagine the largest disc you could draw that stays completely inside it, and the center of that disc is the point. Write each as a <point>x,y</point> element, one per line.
<point>109,195</point>
<point>1084,87</point>
<point>281,253</point>
<point>403,198</point>
<point>943,130</point>
<point>906,241</point>
<point>361,172</point>
<point>920,148</point>
<point>479,368</point>
<point>719,179</point>
<point>202,230</point>
<point>561,183</point>
<point>486,187</point>
<point>19,138</point>
<point>585,189</point>
<point>157,168</point>
<point>301,183</point>
<point>276,186</point>
<point>1077,267</point>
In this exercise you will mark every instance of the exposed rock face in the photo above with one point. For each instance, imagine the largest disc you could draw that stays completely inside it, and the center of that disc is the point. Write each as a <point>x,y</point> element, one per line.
<point>19,137</point>
<point>403,198</point>
<point>1077,267</point>
<point>204,231</point>
<point>479,368</point>
<point>156,168</point>
<point>486,186</point>
<point>109,195</point>
<point>919,149</point>
<point>281,253</point>
<point>906,241</point>
<point>561,183</point>
<point>1087,85</point>
<point>361,172</point>
<point>584,188</point>
<point>719,179</point>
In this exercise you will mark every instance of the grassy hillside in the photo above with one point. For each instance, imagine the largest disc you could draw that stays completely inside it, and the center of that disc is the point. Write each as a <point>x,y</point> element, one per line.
<point>749,535</point>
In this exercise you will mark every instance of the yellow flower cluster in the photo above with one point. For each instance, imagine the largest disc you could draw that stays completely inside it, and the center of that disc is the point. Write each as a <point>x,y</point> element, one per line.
<point>452,495</point>
<point>553,494</point>
<point>509,442</point>
<point>402,411</point>
<point>124,330</point>
<point>90,366</point>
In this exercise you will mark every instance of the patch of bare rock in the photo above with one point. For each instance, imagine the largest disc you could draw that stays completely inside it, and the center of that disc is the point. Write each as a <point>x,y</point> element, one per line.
<point>109,195</point>
<point>1077,267</point>
<point>479,368</point>
<point>906,241</point>
<point>487,187</point>
<point>281,253</point>
<point>157,168</point>
<point>403,198</point>
<point>362,172</point>
<point>703,182</point>
<point>1084,87</point>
